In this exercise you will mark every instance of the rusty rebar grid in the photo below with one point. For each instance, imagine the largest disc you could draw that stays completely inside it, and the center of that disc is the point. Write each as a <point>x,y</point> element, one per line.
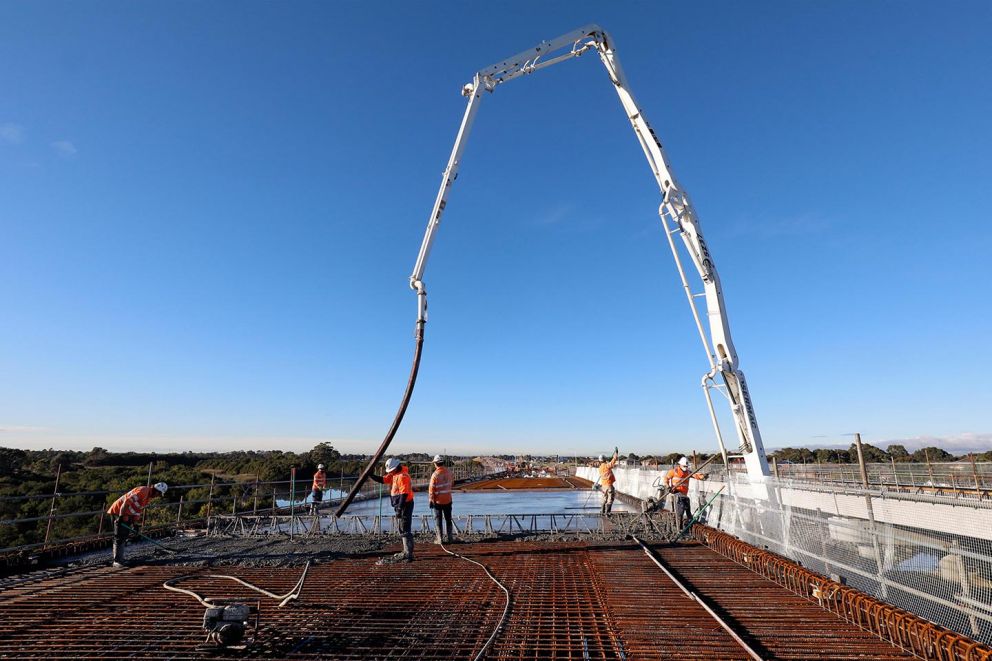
<point>894,625</point>
<point>571,600</point>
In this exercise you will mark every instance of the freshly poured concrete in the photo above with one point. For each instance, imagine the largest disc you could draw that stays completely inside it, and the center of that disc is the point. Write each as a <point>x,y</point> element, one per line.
<point>517,501</point>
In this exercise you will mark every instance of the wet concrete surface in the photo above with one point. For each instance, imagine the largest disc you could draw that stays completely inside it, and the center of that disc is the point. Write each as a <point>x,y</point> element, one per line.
<point>516,501</point>
<point>277,549</point>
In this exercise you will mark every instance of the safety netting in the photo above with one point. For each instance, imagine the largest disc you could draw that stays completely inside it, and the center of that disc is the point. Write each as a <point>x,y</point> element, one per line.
<point>929,553</point>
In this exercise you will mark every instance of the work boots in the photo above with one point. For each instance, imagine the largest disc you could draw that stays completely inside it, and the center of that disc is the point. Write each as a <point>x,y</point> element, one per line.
<point>406,555</point>
<point>118,553</point>
<point>451,538</point>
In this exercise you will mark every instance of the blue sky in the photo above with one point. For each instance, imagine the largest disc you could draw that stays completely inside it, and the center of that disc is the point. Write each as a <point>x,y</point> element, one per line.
<point>208,212</point>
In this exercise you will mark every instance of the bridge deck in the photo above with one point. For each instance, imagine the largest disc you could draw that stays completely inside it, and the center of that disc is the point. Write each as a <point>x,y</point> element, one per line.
<point>571,600</point>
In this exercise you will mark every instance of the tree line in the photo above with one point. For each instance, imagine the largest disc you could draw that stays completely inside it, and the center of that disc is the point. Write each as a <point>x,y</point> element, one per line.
<point>894,452</point>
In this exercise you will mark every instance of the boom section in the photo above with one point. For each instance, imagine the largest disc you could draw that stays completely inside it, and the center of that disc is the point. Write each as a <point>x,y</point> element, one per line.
<point>677,214</point>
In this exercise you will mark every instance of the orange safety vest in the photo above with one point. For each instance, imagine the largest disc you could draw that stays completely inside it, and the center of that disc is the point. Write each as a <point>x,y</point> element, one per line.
<point>440,487</point>
<point>320,480</point>
<point>130,506</point>
<point>399,482</point>
<point>606,478</point>
<point>677,474</point>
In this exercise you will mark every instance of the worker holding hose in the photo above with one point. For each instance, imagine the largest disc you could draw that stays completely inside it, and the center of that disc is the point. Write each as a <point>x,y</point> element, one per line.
<point>439,494</point>
<point>397,476</point>
<point>317,490</point>
<point>127,512</point>
<point>607,479</point>
<point>677,480</point>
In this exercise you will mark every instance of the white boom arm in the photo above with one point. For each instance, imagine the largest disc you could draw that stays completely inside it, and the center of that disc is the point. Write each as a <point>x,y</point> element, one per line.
<point>677,216</point>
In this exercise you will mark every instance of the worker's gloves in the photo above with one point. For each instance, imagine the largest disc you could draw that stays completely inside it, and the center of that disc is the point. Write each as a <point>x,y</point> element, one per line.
<point>430,504</point>
<point>595,487</point>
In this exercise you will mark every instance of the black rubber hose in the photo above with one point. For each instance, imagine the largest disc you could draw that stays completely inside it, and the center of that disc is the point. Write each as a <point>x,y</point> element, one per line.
<point>395,426</point>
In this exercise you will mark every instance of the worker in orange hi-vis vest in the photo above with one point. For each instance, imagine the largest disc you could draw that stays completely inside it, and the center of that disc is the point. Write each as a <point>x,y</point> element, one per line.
<point>317,491</point>
<point>439,495</point>
<point>397,476</point>
<point>607,479</point>
<point>127,512</point>
<point>677,480</point>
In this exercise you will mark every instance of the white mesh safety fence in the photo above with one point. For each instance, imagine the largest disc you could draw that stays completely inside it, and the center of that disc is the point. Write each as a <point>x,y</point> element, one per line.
<point>928,553</point>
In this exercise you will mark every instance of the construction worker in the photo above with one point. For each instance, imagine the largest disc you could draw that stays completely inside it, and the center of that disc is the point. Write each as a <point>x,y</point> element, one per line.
<point>319,484</point>
<point>127,512</point>
<point>677,480</point>
<point>397,476</point>
<point>439,495</point>
<point>607,479</point>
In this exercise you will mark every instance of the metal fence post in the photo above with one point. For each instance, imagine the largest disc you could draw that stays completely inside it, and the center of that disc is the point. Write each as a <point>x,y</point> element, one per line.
<point>210,498</point>
<point>254,509</point>
<point>883,589</point>
<point>179,512</point>
<point>292,501</point>
<point>895,473</point>
<point>51,510</point>
<point>861,461</point>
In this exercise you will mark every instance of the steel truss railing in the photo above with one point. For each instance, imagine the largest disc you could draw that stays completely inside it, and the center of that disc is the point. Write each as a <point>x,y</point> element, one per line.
<point>959,478</point>
<point>308,525</point>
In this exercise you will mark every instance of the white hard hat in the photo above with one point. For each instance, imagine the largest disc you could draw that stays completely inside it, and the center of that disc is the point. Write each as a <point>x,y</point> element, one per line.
<point>320,467</point>
<point>392,464</point>
<point>437,459</point>
<point>602,458</point>
<point>162,487</point>
<point>683,462</point>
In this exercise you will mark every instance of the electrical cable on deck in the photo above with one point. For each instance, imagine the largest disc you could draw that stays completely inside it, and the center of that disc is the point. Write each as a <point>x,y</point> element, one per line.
<point>206,601</point>
<point>506,608</point>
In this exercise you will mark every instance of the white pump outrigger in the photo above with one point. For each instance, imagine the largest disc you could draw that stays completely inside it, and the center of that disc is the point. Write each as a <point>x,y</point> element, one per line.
<point>677,217</point>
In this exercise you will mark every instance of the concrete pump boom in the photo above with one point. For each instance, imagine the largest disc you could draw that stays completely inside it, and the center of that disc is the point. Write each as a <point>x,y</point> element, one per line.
<point>677,217</point>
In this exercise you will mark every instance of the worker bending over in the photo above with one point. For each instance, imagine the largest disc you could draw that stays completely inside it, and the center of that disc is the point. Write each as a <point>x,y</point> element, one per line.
<point>607,480</point>
<point>319,484</point>
<point>439,495</point>
<point>127,512</point>
<point>677,480</point>
<point>401,497</point>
